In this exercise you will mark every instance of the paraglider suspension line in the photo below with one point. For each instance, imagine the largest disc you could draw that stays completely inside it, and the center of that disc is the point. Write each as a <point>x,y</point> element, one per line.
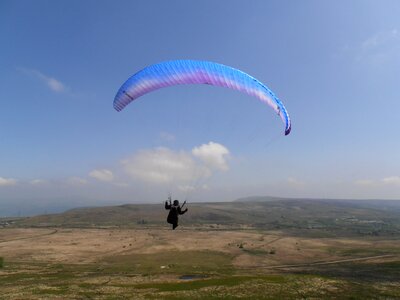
<point>130,97</point>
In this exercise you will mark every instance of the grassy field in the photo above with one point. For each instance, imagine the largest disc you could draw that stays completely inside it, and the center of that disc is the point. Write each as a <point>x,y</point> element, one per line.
<point>194,264</point>
<point>245,250</point>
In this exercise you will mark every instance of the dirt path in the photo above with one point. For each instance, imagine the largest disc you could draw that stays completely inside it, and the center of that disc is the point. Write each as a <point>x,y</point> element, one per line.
<point>54,231</point>
<point>274,240</point>
<point>320,263</point>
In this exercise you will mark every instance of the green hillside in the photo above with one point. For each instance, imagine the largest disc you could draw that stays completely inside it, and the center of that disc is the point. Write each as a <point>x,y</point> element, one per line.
<point>305,216</point>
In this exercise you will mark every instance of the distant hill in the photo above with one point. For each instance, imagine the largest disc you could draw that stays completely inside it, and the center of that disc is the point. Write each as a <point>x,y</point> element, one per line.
<point>261,199</point>
<point>377,203</point>
<point>327,217</point>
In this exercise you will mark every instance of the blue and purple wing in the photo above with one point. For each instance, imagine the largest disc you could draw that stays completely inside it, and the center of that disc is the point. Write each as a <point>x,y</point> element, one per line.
<point>177,72</point>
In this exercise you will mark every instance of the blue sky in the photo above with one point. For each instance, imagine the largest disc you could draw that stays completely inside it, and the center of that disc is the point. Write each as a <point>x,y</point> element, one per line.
<point>334,64</point>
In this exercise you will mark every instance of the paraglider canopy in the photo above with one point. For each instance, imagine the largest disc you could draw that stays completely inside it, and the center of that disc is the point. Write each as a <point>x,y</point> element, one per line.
<point>197,72</point>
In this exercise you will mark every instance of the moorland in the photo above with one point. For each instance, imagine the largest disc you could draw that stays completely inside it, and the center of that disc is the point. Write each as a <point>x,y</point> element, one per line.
<point>252,248</point>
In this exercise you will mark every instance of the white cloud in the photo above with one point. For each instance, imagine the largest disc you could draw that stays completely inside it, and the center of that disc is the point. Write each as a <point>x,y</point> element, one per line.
<point>7,181</point>
<point>182,168</point>
<point>121,184</point>
<point>37,182</point>
<point>186,188</point>
<point>162,165</point>
<point>76,181</point>
<point>295,182</point>
<point>52,83</point>
<point>393,180</point>
<point>380,48</point>
<point>214,155</point>
<point>380,38</point>
<point>102,175</point>
<point>365,182</point>
<point>168,137</point>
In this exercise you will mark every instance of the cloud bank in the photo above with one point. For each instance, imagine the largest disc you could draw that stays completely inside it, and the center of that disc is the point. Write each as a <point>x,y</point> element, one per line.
<point>7,181</point>
<point>214,155</point>
<point>387,181</point>
<point>102,175</point>
<point>163,165</point>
